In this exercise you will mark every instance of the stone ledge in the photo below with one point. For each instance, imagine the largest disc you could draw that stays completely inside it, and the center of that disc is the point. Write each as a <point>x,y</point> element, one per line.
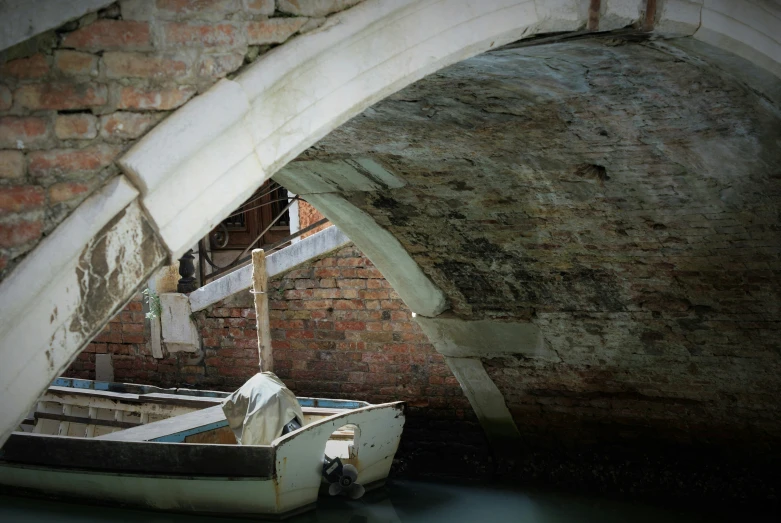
<point>277,263</point>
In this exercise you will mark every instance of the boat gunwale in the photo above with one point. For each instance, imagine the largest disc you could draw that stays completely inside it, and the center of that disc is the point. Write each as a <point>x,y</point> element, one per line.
<point>159,458</point>
<point>150,458</point>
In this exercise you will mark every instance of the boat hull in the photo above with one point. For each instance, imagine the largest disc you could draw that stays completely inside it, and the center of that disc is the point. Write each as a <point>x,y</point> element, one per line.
<point>160,466</point>
<point>240,497</point>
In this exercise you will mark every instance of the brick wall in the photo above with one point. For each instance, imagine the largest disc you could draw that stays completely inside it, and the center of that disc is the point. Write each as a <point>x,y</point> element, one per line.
<point>338,331</point>
<point>307,215</point>
<point>74,99</point>
<point>126,338</point>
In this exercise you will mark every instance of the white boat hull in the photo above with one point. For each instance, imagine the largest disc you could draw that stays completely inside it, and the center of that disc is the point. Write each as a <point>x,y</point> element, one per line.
<point>268,481</point>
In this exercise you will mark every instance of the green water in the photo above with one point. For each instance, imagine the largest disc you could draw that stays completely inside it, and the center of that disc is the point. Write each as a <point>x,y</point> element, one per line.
<point>407,502</point>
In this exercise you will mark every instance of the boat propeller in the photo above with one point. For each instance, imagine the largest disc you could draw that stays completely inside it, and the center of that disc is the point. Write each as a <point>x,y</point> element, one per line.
<point>342,478</point>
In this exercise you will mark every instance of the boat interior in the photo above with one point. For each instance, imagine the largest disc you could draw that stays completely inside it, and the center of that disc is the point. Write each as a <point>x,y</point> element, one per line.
<point>79,408</point>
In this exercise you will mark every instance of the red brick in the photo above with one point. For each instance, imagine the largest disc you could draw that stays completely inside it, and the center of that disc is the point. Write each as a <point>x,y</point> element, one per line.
<point>398,348</point>
<point>300,334</point>
<point>374,284</point>
<point>35,66</point>
<point>135,305</point>
<point>132,327</point>
<point>133,338</point>
<point>110,34</point>
<point>76,126</point>
<point>290,324</point>
<point>61,96</point>
<point>320,294</point>
<point>299,294</point>
<point>66,191</point>
<point>374,295</point>
<point>273,30</point>
<point>324,325</point>
<point>218,66</point>
<point>68,161</point>
<point>160,99</point>
<point>23,131</point>
<point>348,304</point>
<point>15,234</point>
<point>349,325</point>
<point>76,63</point>
<point>197,7</point>
<point>327,273</point>
<point>368,273</point>
<point>351,284</point>
<point>139,65</point>
<point>389,304</point>
<point>325,262</point>
<point>6,98</point>
<point>317,304</point>
<point>20,199</point>
<point>12,164</point>
<point>201,35</point>
<point>401,316</point>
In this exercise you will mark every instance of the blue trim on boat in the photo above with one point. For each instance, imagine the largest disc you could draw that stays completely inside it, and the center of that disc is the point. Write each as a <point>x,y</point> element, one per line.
<point>81,384</point>
<point>179,437</point>
<point>331,404</point>
<point>75,383</point>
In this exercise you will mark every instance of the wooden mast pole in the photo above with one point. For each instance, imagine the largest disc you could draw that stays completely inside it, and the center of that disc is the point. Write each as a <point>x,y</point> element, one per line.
<point>260,293</point>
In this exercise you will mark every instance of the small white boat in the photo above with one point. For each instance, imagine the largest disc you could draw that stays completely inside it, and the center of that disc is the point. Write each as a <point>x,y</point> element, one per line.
<point>172,449</point>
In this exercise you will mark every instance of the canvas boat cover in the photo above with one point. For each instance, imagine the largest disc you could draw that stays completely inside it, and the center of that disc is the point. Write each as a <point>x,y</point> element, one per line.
<point>258,412</point>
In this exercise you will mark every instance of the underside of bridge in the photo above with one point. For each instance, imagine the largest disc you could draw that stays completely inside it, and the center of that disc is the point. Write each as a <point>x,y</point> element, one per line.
<point>586,222</point>
<point>613,200</point>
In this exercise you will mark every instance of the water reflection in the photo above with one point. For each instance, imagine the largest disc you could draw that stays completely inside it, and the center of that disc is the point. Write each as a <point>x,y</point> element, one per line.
<point>400,502</point>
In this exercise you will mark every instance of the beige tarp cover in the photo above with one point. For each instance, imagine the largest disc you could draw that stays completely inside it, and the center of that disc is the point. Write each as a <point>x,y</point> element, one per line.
<point>258,412</point>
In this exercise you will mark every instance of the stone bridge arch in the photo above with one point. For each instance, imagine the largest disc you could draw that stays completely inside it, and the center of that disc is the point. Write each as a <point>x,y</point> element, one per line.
<point>246,129</point>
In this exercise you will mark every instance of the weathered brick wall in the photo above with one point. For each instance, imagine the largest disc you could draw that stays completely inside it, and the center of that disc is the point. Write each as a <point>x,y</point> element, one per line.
<point>653,274</point>
<point>307,215</point>
<point>126,338</point>
<point>338,331</point>
<point>74,99</point>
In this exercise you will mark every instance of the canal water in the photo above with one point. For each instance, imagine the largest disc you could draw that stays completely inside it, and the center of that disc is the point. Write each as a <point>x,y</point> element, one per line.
<point>408,502</point>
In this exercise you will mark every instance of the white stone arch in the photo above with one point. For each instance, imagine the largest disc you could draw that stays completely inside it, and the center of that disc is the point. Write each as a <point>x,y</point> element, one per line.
<point>203,161</point>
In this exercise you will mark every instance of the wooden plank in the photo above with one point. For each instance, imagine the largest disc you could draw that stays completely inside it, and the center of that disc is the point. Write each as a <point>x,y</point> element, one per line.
<point>157,409</point>
<point>260,290</point>
<point>221,436</point>
<point>176,429</point>
<point>180,401</point>
<point>90,393</point>
<point>319,411</point>
<point>86,421</point>
<point>92,413</point>
<point>169,459</point>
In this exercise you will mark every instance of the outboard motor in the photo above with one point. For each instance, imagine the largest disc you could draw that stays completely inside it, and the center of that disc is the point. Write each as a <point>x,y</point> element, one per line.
<point>262,410</point>
<point>342,478</point>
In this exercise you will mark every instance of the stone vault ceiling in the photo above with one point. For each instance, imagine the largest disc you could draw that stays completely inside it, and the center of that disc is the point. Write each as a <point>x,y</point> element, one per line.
<point>620,196</point>
<point>595,176</point>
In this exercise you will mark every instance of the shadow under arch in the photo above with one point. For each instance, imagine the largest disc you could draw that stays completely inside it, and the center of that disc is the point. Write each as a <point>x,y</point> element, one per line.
<point>244,130</point>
